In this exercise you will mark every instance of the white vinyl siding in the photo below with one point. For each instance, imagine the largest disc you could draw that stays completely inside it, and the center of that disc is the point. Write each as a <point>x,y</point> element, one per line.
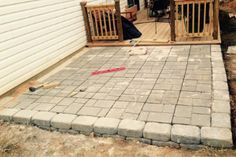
<point>35,34</point>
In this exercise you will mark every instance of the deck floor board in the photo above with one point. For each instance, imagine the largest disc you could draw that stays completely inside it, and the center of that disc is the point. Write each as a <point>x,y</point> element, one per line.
<point>146,26</point>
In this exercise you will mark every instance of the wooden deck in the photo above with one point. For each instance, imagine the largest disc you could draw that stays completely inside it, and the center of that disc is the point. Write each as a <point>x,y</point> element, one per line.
<point>156,33</point>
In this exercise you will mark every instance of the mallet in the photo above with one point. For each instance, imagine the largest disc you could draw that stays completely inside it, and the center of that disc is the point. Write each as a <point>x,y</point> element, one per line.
<point>46,85</point>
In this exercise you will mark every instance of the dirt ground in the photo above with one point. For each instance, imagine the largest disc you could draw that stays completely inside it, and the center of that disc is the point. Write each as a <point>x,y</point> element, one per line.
<point>228,36</point>
<point>27,141</point>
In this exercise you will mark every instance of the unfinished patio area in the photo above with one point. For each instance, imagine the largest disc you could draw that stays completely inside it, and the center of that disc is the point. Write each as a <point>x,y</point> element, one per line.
<point>173,95</point>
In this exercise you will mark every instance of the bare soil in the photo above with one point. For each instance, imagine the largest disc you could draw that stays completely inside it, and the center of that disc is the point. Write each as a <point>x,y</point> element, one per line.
<point>27,141</point>
<point>228,35</point>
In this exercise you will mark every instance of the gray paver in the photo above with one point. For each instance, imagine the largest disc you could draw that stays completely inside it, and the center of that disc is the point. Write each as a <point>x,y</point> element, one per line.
<point>7,114</point>
<point>201,120</point>
<point>134,107</point>
<point>43,118</point>
<point>192,146</point>
<point>153,107</point>
<point>62,121</point>
<point>143,116</point>
<point>73,108</point>
<point>185,134</point>
<point>106,126</point>
<point>103,112</point>
<point>58,109</point>
<point>221,106</point>
<point>160,117</point>
<point>164,144</point>
<point>84,123</point>
<point>44,107</point>
<point>221,120</point>
<point>127,115</point>
<point>115,113</point>
<point>216,137</point>
<point>131,128</point>
<point>201,110</point>
<point>66,101</point>
<point>181,120</point>
<point>24,116</point>
<point>183,111</point>
<point>89,111</point>
<point>157,131</point>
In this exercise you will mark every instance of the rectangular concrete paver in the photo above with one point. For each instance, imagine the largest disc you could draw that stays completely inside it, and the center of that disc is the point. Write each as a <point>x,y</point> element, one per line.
<point>221,120</point>
<point>7,114</point>
<point>216,137</point>
<point>84,123</point>
<point>185,134</point>
<point>160,117</point>
<point>24,116</point>
<point>43,118</point>
<point>201,120</point>
<point>131,128</point>
<point>106,126</point>
<point>62,121</point>
<point>157,131</point>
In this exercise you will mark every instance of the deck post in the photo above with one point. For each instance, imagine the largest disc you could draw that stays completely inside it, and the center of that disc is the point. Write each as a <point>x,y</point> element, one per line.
<point>118,18</point>
<point>86,21</point>
<point>172,19</point>
<point>215,19</point>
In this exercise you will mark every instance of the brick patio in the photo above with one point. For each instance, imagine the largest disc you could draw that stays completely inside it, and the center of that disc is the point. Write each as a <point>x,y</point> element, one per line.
<point>179,90</point>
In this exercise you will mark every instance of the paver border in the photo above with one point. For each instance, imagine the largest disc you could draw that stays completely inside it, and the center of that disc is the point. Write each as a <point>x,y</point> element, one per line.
<point>222,140</point>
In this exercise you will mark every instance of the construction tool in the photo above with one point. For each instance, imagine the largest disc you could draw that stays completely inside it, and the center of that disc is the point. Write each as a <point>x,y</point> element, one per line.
<point>45,86</point>
<point>107,71</point>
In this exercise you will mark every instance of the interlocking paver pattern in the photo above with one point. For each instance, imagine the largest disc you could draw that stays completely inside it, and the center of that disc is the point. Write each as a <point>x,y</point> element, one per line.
<point>169,84</point>
<point>177,85</point>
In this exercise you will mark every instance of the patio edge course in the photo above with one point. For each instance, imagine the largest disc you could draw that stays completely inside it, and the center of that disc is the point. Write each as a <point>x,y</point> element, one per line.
<point>147,132</point>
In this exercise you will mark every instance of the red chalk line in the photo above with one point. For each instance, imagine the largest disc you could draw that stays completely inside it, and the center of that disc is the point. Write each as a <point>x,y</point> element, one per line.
<point>108,71</point>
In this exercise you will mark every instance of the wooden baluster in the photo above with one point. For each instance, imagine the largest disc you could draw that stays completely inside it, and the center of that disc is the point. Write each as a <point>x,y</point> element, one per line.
<point>182,19</point>
<point>109,21</point>
<point>204,20</point>
<point>216,19</point>
<point>211,21</point>
<point>199,15</point>
<point>96,22</point>
<point>193,18</point>
<point>92,23</point>
<point>119,23</point>
<point>177,18</point>
<point>114,23</point>
<point>86,21</point>
<point>100,21</point>
<point>188,18</point>
<point>104,21</point>
<point>173,19</point>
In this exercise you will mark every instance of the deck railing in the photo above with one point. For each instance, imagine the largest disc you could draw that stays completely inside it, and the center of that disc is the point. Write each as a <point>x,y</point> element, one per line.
<point>102,22</point>
<point>194,18</point>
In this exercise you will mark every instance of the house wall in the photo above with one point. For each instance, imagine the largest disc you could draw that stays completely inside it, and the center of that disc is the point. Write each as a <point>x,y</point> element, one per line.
<point>35,34</point>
